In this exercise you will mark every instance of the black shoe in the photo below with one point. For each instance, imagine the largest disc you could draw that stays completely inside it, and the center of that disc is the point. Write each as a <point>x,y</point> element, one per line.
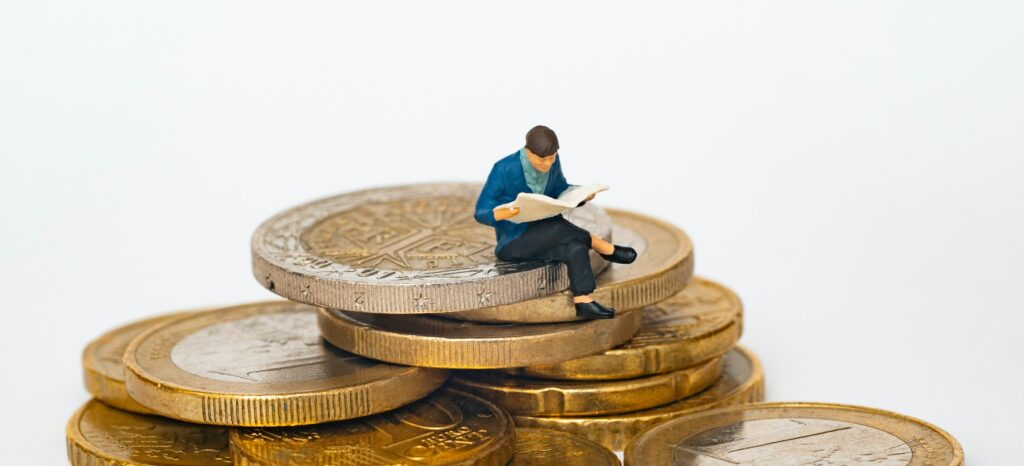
<point>594,310</point>
<point>621,255</point>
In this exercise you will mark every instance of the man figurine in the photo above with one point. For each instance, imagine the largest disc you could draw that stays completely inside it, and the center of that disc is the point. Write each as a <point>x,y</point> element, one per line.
<point>536,169</point>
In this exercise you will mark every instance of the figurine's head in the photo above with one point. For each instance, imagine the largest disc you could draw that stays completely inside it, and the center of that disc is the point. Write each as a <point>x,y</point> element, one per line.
<point>541,148</point>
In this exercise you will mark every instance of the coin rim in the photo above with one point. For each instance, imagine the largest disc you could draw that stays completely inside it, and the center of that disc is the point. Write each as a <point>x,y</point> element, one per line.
<point>958,453</point>
<point>80,447</point>
<point>610,396</point>
<point>387,298</point>
<point>614,433</point>
<point>152,391</point>
<point>502,454</point>
<point>474,353</point>
<point>714,344</point>
<point>661,283</point>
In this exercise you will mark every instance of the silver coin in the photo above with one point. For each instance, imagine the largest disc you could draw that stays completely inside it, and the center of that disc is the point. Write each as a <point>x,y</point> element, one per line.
<point>402,250</point>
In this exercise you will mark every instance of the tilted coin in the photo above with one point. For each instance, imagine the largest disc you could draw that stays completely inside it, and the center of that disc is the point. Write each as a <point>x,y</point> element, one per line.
<point>405,250</point>
<point>742,381</point>
<point>795,433</point>
<point>540,397</point>
<point>427,341</point>
<point>99,435</point>
<point>701,322</point>
<point>446,428</point>
<point>102,363</point>
<point>661,270</point>
<point>262,364</point>
<point>546,447</point>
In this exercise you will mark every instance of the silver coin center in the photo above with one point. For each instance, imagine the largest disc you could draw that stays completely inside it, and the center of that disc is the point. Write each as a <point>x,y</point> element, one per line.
<point>269,348</point>
<point>792,442</point>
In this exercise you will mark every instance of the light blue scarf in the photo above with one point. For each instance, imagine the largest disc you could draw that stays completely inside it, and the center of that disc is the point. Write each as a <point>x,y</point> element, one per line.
<point>536,180</point>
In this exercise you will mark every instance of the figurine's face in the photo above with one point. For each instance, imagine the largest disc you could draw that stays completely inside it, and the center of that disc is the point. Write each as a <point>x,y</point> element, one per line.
<point>541,164</point>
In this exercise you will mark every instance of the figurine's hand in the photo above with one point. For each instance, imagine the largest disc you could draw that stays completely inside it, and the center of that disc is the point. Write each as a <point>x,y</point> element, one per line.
<point>505,213</point>
<point>590,197</point>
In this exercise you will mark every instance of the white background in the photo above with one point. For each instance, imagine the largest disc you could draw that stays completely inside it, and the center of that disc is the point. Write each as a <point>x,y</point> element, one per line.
<point>852,169</point>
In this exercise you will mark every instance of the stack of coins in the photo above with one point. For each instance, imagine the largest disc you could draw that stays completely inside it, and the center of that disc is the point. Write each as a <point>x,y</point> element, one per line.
<point>404,340</point>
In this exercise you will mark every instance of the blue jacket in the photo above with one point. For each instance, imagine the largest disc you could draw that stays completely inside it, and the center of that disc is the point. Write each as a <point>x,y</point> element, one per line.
<point>504,183</point>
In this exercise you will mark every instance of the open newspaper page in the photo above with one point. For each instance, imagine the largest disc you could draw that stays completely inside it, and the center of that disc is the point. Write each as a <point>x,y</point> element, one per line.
<point>533,207</point>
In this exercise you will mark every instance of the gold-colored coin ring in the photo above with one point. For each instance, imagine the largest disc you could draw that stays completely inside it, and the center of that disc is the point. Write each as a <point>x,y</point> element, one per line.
<point>742,381</point>
<point>873,435</point>
<point>540,397</point>
<point>102,363</point>
<point>546,447</point>
<point>100,435</point>
<point>428,341</point>
<point>701,322</point>
<point>448,427</point>
<point>325,384</point>
<point>662,269</point>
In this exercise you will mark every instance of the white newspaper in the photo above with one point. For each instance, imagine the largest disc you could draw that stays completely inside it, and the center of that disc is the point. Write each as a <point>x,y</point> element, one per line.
<point>533,207</point>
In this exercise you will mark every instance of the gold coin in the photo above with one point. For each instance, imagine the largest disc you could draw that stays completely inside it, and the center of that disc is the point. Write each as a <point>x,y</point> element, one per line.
<point>742,381</point>
<point>546,447</point>
<point>103,368</point>
<point>262,364</point>
<point>99,435</point>
<point>664,265</point>
<point>428,341</point>
<point>402,250</point>
<point>701,322</point>
<point>795,433</point>
<point>446,428</point>
<point>540,397</point>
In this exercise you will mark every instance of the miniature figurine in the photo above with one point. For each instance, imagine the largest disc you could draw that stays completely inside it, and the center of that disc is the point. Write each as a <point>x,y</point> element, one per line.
<point>536,169</point>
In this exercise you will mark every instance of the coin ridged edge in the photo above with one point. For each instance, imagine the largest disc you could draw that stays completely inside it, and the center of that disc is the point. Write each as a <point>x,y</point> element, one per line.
<point>617,433</point>
<point>958,452</point>
<point>476,353</point>
<point>391,298</point>
<point>556,400</point>
<point>634,293</point>
<point>502,450</point>
<point>170,399</point>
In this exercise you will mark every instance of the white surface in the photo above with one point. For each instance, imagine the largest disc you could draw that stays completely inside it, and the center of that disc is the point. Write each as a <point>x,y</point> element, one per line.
<point>534,206</point>
<point>852,169</point>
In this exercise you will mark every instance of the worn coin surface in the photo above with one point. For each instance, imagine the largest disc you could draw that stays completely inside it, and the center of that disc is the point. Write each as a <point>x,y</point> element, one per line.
<point>546,447</point>
<point>99,435</point>
<point>102,363</point>
<point>540,397</point>
<point>662,269</point>
<point>262,364</point>
<point>405,250</point>
<point>701,322</point>
<point>446,428</point>
<point>742,381</point>
<point>795,433</point>
<point>428,341</point>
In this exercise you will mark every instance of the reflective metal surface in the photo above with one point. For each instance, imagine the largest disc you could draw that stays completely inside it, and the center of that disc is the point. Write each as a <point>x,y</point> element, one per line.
<point>546,447</point>
<point>403,249</point>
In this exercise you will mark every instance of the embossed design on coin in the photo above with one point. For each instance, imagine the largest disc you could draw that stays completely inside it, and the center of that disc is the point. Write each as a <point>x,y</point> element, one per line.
<point>794,433</point>
<point>546,447</point>
<point>262,364</point>
<point>405,249</point>
<point>99,435</point>
<point>103,368</point>
<point>701,322</point>
<point>448,427</point>
<point>792,441</point>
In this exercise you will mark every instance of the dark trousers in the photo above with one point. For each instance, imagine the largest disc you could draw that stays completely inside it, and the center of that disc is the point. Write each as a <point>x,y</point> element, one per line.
<point>556,239</point>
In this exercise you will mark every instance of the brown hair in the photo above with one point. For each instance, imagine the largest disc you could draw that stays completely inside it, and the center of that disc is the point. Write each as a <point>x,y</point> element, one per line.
<point>542,141</point>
